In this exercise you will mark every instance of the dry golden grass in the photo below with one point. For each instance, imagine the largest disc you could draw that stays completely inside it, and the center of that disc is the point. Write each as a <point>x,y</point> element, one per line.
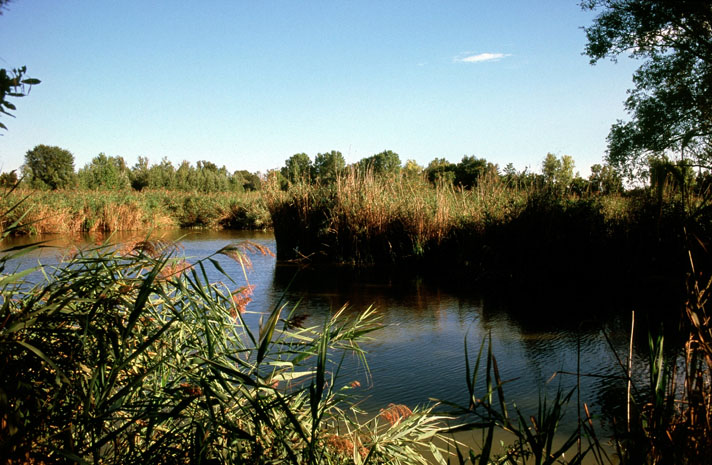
<point>70,211</point>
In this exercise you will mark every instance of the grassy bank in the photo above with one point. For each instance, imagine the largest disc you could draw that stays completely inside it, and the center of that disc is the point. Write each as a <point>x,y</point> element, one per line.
<point>72,211</point>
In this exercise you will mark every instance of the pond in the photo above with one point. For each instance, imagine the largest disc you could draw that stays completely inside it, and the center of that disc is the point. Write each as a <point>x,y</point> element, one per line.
<point>419,355</point>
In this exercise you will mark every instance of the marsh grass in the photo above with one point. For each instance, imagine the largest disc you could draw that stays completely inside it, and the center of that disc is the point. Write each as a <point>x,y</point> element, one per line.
<point>366,219</point>
<point>107,211</point>
<point>671,415</point>
<point>130,354</point>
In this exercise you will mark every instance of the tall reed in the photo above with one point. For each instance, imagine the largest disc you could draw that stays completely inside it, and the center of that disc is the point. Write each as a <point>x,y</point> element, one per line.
<point>89,211</point>
<point>128,354</point>
<point>363,218</point>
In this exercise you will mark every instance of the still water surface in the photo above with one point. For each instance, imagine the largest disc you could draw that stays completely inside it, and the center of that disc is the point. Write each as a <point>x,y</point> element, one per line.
<point>419,355</point>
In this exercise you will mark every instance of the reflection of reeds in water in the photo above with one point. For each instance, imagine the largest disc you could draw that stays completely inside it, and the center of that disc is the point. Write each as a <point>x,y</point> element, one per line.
<point>669,420</point>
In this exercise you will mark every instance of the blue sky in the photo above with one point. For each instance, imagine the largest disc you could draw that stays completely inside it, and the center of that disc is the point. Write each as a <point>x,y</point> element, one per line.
<point>246,84</point>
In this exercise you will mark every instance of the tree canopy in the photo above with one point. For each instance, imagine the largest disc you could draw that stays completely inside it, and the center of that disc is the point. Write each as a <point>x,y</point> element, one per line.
<point>298,167</point>
<point>105,173</point>
<point>328,166</point>
<point>49,166</point>
<point>671,103</point>
<point>386,162</point>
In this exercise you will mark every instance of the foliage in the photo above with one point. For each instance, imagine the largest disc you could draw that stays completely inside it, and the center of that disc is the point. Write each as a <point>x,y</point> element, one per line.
<point>558,173</point>
<point>128,354</point>
<point>536,440</point>
<point>82,211</point>
<point>671,103</point>
<point>440,171</point>
<point>328,166</point>
<point>297,168</point>
<point>139,174</point>
<point>13,84</point>
<point>104,173</point>
<point>383,163</point>
<point>469,171</point>
<point>8,179</point>
<point>605,179</point>
<point>49,167</point>
<point>412,170</point>
<point>248,181</point>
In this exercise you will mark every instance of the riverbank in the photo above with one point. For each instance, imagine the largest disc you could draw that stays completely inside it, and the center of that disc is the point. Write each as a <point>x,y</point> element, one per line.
<point>524,239</point>
<point>76,211</point>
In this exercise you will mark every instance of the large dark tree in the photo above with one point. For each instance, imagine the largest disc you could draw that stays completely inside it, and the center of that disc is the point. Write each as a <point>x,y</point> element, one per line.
<point>49,167</point>
<point>671,103</point>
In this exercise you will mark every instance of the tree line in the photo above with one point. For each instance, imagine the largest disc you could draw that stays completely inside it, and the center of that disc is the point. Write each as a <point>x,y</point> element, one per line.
<point>51,167</point>
<point>557,173</point>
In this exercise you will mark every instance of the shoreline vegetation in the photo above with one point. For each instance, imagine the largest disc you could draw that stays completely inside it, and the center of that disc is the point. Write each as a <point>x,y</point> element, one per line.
<point>161,328</point>
<point>77,211</point>
<point>127,354</point>
<point>525,238</point>
<point>477,223</point>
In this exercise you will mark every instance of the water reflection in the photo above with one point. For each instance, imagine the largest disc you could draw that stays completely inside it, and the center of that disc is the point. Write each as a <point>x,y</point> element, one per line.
<point>419,355</point>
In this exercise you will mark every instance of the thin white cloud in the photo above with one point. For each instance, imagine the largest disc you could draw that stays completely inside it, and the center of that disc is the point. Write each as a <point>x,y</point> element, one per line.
<point>481,57</point>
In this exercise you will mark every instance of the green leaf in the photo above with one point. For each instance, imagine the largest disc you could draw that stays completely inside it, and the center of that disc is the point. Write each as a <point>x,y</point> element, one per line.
<point>15,278</point>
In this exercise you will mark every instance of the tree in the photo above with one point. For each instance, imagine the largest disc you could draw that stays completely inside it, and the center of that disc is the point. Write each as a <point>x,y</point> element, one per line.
<point>558,173</point>
<point>139,174</point>
<point>549,167</point>
<point>105,173</point>
<point>49,167</point>
<point>162,176</point>
<point>440,171</point>
<point>671,104</point>
<point>412,170</point>
<point>298,167</point>
<point>605,179</point>
<point>510,177</point>
<point>470,170</point>
<point>248,181</point>
<point>386,162</point>
<point>328,166</point>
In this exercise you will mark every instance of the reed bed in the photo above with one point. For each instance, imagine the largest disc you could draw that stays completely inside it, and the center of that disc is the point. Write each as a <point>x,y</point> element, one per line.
<point>492,229</point>
<point>366,219</point>
<point>74,211</point>
<point>128,354</point>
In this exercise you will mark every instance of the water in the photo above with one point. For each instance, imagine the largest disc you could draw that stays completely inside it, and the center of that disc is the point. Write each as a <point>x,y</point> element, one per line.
<point>420,353</point>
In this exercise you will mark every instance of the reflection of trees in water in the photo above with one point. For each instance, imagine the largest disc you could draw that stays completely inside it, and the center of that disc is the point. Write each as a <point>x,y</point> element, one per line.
<point>327,288</point>
<point>421,311</point>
